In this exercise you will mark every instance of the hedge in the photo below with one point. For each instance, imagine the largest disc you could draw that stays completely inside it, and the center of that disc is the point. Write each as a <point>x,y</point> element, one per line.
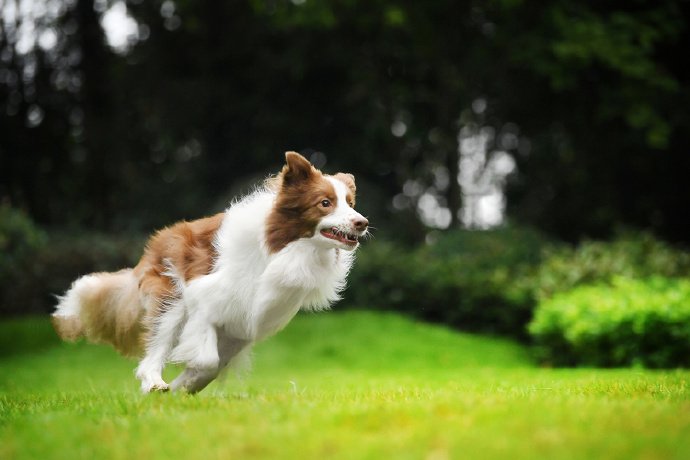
<point>629,322</point>
<point>465,279</point>
<point>631,254</point>
<point>35,265</point>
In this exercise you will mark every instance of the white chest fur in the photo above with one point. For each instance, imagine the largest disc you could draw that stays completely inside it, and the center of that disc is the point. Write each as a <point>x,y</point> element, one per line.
<point>252,294</point>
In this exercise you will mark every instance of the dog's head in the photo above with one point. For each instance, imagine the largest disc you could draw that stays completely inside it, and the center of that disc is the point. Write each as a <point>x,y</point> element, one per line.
<point>310,204</point>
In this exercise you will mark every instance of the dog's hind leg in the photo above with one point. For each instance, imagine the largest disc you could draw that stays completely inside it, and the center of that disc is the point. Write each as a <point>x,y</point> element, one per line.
<point>195,379</point>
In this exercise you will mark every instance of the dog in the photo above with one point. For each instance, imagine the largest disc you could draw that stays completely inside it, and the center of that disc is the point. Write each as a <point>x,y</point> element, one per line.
<point>204,291</point>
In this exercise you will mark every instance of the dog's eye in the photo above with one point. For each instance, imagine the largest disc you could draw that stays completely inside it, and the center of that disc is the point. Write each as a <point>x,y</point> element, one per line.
<point>326,203</point>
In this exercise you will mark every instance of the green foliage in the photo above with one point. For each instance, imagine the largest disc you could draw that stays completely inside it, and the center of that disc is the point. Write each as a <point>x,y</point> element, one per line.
<point>634,255</point>
<point>630,322</point>
<point>583,40</point>
<point>613,303</point>
<point>20,243</point>
<point>490,281</point>
<point>465,279</point>
<point>51,268</point>
<point>20,238</point>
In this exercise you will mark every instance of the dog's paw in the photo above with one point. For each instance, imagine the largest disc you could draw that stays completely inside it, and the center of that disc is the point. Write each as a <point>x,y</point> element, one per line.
<point>154,385</point>
<point>158,388</point>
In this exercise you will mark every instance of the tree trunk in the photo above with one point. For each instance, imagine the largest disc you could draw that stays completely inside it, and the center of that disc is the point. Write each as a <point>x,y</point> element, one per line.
<point>95,104</point>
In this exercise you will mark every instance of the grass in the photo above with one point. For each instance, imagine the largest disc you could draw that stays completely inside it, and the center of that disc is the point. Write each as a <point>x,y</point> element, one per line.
<point>338,385</point>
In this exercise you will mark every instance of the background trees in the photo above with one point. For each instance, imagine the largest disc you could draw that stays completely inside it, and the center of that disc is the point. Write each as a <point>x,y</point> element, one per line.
<point>201,98</point>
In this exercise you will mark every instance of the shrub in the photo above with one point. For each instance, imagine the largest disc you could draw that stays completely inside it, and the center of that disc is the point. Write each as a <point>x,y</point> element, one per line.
<point>50,269</point>
<point>634,255</point>
<point>20,239</point>
<point>465,279</point>
<point>629,322</point>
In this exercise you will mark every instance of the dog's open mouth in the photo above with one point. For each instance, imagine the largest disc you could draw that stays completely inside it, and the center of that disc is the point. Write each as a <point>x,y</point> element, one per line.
<point>335,234</point>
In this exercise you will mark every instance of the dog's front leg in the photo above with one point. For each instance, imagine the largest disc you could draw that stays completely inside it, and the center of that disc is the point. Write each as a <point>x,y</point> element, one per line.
<point>198,350</point>
<point>273,309</point>
<point>197,346</point>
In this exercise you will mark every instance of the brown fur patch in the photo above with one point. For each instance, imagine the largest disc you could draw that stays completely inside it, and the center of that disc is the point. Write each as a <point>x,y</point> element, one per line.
<point>297,210</point>
<point>188,247</point>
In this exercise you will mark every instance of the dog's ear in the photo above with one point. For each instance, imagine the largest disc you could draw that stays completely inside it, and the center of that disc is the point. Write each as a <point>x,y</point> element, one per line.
<point>296,169</point>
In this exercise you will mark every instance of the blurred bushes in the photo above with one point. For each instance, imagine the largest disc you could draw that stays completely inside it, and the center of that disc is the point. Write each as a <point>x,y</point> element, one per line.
<point>614,303</point>
<point>493,282</point>
<point>600,303</point>
<point>35,266</point>
<point>634,255</point>
<point>470,280</point>
<point>20,243</point>
<point>20,239</point>
<point>627,322</point>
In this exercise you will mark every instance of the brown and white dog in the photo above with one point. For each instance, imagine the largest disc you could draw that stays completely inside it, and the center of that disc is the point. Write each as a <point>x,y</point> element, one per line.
<point>208,289</point>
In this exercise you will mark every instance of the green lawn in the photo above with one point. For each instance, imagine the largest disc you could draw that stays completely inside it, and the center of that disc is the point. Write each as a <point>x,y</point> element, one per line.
<point>338,385</point>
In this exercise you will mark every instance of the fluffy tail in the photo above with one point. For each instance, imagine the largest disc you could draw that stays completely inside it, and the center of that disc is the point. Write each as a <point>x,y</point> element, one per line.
<point>104,308</point>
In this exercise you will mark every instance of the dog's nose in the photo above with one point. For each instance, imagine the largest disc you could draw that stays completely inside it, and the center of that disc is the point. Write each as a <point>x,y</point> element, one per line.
<point>360,223</point>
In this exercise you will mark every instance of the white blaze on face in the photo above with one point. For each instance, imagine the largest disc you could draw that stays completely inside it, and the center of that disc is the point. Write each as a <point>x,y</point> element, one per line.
<point>343,209</point>
<point>338,227</point>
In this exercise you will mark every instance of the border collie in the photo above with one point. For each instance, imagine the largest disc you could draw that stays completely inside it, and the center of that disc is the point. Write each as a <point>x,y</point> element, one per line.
<point>206,290</point>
